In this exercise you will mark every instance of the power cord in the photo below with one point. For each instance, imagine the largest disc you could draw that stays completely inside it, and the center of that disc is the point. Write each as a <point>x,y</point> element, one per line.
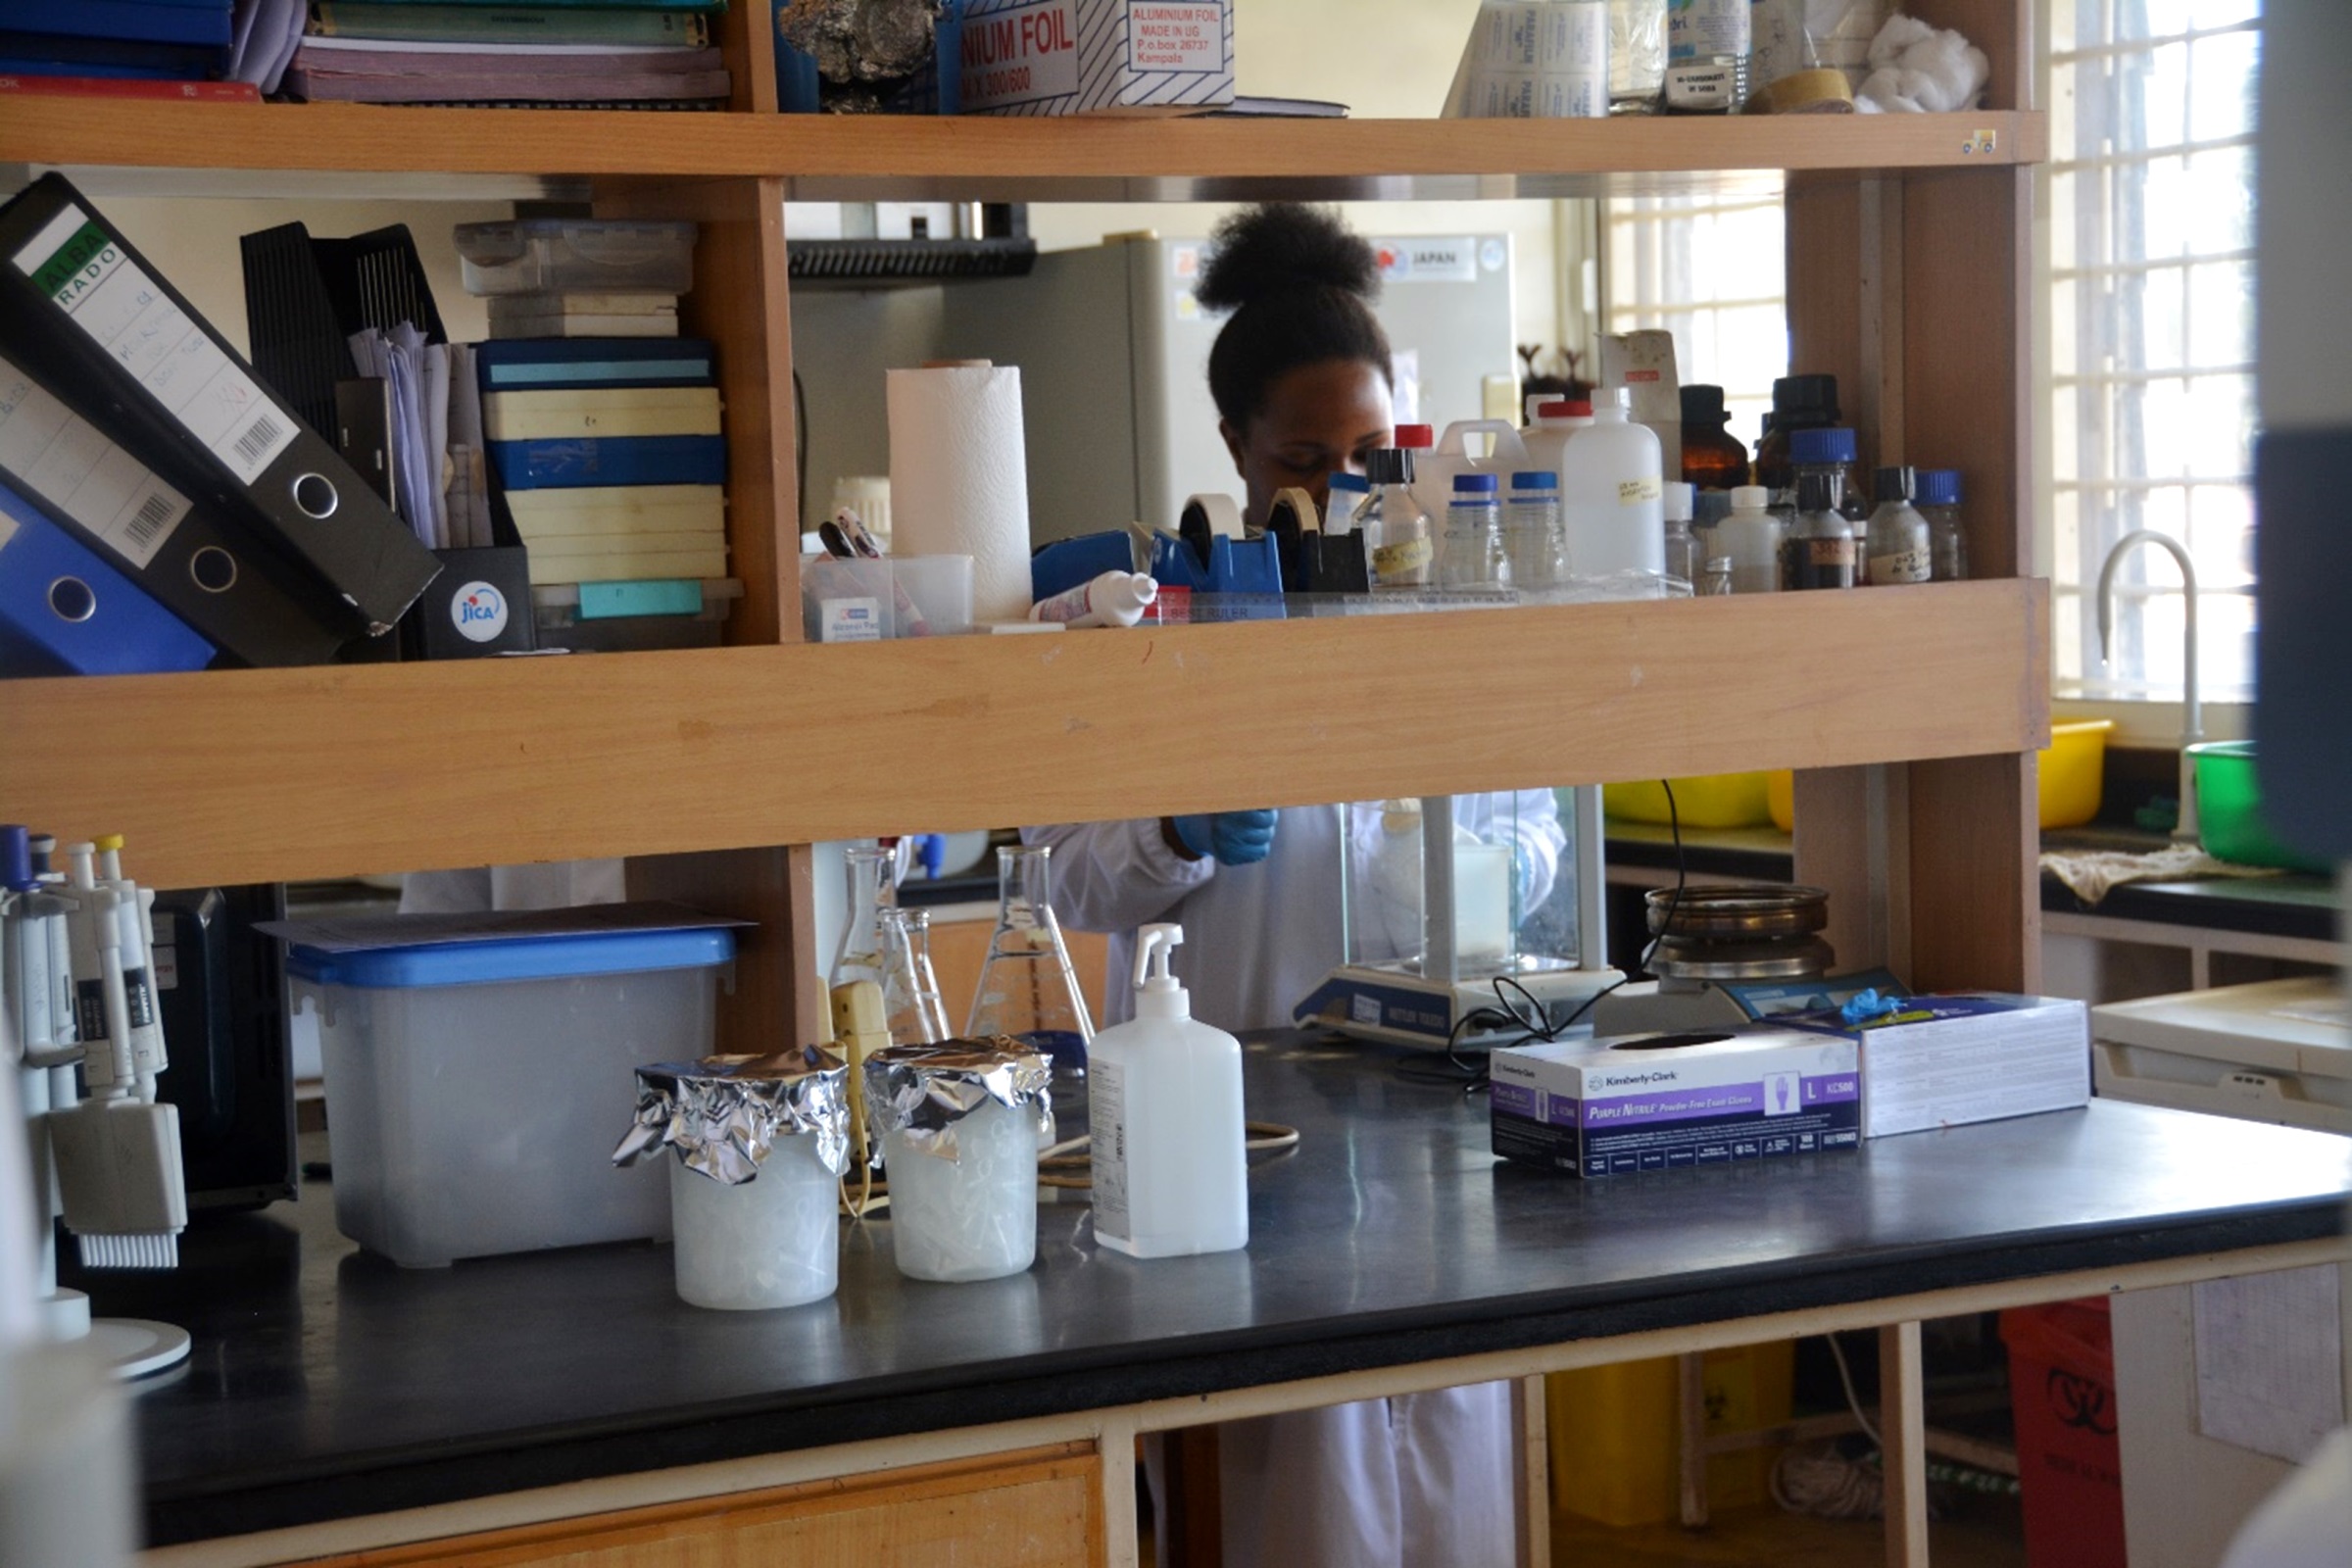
<point>1470,1071</point>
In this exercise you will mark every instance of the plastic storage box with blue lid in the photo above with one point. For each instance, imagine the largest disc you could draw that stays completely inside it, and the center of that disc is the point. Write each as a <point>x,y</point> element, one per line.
<point>477,1066</point>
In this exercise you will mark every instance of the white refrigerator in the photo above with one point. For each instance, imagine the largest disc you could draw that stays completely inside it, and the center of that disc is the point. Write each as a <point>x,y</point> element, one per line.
<point>1114,352</point>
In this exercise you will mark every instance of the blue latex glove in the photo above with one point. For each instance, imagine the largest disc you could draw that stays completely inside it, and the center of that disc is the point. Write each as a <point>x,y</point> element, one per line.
<point>1234,837</point>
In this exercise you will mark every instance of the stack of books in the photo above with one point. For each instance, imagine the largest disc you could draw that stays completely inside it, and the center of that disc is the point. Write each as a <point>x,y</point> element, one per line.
<point>119,48</point>
<point>159,502</point>
<point>609,53</point>
<point>608,453</point>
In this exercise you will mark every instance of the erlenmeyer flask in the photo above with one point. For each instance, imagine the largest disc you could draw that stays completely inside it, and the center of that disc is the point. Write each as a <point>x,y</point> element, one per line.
<point>1027,987</point>
<point>909,987</point>
<point>872,889</point>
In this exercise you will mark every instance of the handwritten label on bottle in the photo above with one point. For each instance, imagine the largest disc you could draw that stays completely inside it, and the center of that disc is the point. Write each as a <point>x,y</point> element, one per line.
<point>1397,562</point>
<point>1902,565</point>
<point>1633,492</point>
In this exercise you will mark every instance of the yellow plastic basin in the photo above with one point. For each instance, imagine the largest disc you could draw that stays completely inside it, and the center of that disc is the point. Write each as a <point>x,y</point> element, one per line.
<point>1708,799</point>
<point>2074,766</point>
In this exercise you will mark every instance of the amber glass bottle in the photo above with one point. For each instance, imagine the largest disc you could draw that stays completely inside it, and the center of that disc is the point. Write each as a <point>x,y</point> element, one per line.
<point>1713,459</point>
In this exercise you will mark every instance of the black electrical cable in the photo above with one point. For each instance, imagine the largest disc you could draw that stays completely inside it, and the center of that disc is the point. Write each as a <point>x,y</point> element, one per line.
<point>1471,1073</point>
<point>800,453</point>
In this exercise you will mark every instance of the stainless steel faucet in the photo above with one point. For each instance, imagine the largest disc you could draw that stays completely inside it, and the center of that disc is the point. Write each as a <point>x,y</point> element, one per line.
<point>2192,727</point>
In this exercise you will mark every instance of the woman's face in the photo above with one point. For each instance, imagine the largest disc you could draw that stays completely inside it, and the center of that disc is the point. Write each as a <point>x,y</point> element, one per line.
<point>1318,421</point>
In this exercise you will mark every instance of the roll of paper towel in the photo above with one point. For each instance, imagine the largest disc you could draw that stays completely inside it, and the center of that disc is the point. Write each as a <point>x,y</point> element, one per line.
<point>958,483</point>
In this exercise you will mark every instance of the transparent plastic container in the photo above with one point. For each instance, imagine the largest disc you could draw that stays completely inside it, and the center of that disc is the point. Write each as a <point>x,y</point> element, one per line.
<point>576,256</point>
<point>774,1241</point>
<point>973,1217</point>
<point>473,1084</point>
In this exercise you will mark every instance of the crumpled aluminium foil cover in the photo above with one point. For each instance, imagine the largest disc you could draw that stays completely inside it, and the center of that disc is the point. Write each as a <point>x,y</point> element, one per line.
<point>921,1092</point>
<point>724,1114</point>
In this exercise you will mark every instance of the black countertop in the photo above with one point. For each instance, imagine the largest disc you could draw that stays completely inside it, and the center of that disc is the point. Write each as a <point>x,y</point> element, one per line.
<point>2290,904</point>
<point>329,1382</point>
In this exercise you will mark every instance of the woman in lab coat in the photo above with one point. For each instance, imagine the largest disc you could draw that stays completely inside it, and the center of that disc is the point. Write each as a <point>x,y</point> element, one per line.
<point>1301,379</point>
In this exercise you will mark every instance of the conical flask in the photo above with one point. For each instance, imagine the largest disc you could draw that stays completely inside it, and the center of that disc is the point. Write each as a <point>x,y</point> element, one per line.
<point>872,889</point>
<point>1027,987</point>
<point>910,1000</point>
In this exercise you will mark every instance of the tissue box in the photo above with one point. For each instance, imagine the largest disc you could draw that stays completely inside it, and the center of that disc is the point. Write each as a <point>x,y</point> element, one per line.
<point>1085,57</point>
<point>1948,1060</point>
<point>1659,1102</point>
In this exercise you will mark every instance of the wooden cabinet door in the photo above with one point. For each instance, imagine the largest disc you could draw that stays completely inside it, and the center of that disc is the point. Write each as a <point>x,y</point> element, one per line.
<point>1039,1510</point>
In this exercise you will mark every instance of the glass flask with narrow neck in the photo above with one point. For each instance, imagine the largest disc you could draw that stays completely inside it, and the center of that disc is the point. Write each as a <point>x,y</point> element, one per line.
<point>1027,987</point>
<point>872,889</point>
<point>911,1007</point>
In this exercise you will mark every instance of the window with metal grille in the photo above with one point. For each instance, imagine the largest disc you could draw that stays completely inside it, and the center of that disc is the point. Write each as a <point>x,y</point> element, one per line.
<point>2151,322</point>
<point>1709,269</point>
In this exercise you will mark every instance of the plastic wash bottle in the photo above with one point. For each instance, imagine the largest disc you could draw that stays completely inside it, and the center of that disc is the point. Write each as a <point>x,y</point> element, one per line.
<point>1164,1101</point>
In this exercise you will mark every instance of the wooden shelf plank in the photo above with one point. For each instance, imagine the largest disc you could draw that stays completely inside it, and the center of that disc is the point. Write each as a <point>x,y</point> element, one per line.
<point>980,157</point>
<point>268,775</point>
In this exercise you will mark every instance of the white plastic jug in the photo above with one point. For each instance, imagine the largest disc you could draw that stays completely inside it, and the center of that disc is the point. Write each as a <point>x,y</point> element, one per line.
<point>1434,470</point>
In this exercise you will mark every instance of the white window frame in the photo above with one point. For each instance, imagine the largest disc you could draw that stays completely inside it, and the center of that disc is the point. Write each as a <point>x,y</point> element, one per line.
<point>2151,715</point>
<point>1655,234</point>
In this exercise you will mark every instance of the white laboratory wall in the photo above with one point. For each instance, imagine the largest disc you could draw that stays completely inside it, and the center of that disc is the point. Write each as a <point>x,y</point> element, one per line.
<point>195,244</point>
<point>1386,60</point>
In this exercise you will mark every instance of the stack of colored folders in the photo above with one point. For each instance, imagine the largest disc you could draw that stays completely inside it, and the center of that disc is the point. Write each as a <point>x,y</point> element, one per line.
<point>610,456</point>
<point>608,54</point>
<point>129,48</point>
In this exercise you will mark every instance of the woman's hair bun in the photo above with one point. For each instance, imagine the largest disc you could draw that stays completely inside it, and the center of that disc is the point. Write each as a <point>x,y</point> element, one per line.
<point>1280,246</point>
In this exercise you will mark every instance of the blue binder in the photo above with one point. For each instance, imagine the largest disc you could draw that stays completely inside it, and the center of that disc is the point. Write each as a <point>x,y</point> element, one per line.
<point>64,611</point>
<point>155,20</point>
<point>570,464</point>
<point>541,364</point>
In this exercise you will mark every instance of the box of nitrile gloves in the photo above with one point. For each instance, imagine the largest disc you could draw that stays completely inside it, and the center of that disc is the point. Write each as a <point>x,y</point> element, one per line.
<point>1636,1103</point>
<point>1092,57</point>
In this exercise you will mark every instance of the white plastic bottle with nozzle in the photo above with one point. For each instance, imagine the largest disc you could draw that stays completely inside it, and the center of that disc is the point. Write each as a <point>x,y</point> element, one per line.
<point>1612,495</point>
<point>1109,599</point>
<point>1164,1103</point>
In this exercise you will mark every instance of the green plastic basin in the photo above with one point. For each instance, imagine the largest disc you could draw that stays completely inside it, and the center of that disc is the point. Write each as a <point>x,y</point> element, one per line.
<point>2230,820</point>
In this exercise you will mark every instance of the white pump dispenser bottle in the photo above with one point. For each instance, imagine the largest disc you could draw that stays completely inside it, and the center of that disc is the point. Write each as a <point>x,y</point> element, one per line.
<point>1164,1101</point>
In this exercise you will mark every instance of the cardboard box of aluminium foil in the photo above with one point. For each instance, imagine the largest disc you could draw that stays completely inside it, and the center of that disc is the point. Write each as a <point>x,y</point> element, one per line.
<point>1658,1102</point>
<point>1089,57</point>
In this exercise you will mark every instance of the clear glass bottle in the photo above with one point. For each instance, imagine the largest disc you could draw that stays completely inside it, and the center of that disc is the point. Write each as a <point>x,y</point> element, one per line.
<point>1349,492</point>
<point>1749,537</point>
<point>1636,56</point>
<point>1474,555</point>
<point>1896,549</point>
<point>872,870</point>
<point>1821,546</point>
<point>911,1007</point>
<point>1681,546</point>
<point>1715,578</point>
<point>1706,55</point>
<point>1939,502</point>
<point>1829,450</point>
<point>1397,550</point>
<point>1027,987</point>
<point>1533,536</point>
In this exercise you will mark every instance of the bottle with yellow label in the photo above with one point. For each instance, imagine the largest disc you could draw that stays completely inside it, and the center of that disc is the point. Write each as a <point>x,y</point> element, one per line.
<point>1613,501</point>
<point>1399,551</point>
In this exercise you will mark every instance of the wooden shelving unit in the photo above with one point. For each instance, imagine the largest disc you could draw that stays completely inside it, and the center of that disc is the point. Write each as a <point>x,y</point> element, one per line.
<point>1914,712</point>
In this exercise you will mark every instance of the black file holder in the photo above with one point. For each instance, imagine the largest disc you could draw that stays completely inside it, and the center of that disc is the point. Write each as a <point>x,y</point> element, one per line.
<point>305,298</point>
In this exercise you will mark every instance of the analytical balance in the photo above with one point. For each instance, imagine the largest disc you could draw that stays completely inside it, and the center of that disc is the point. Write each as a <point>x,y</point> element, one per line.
<point>1448,899</point>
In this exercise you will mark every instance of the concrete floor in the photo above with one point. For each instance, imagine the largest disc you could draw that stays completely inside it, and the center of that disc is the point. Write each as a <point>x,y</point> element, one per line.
<point>1763,1536</point>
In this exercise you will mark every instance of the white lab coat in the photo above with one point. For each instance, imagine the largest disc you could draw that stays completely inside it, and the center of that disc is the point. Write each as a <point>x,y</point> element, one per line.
<point>1419,1480</point>
<point>1256,937</point>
